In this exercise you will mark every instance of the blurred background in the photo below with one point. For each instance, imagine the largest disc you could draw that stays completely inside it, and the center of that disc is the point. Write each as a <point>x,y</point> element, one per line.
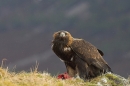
<point>27,26</point>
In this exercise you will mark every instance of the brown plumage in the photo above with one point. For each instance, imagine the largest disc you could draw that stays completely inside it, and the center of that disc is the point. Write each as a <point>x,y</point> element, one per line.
<point>80,57</point>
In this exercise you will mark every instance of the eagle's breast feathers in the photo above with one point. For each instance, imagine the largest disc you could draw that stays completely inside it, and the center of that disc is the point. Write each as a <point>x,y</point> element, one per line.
<point>63,52</point>
<point>67,49</point>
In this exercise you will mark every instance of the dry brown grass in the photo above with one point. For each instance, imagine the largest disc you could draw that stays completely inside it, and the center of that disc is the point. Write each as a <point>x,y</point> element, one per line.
<point>35,78</point>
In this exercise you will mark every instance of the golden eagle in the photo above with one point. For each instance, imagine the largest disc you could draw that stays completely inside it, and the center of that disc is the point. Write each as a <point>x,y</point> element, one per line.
<point>80,57</point>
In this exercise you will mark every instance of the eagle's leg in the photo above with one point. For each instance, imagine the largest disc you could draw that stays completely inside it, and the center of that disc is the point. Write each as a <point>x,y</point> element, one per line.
<point>71,70</point>
<point>82,70</point>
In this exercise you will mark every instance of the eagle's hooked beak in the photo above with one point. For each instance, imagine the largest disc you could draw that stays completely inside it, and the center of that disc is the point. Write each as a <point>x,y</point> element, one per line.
<point>62,34</point>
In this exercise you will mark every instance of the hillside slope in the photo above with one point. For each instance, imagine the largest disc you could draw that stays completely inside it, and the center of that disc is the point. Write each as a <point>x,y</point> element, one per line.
<point>35,78</point>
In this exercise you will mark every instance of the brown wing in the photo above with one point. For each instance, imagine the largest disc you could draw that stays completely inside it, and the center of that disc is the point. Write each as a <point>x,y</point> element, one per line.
<point>89,53</point>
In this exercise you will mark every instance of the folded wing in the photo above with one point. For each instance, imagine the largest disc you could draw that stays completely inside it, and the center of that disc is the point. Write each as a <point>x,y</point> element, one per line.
<point>90,54</point>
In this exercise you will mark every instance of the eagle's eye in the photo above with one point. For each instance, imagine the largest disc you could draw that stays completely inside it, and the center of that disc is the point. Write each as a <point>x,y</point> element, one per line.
<point>65,33</point>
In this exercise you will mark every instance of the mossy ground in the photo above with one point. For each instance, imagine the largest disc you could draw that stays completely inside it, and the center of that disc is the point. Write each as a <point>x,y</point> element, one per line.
<point>35,78</point>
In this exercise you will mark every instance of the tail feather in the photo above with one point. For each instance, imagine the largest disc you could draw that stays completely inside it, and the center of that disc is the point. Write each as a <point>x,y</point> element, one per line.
<point>107,69</point>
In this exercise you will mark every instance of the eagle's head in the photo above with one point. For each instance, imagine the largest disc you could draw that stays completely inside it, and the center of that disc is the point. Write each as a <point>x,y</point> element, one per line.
<point>62,37</point>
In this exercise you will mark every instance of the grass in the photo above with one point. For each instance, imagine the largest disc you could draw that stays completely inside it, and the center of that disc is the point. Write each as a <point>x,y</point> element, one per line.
<point>35,78</point>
